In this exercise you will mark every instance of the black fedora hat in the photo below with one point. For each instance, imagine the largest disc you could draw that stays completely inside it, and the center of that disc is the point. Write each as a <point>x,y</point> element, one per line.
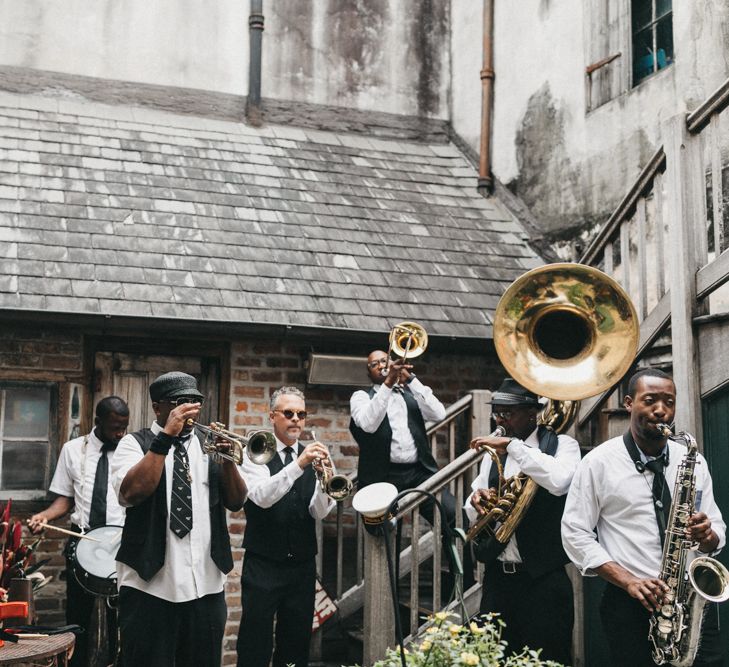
<point>510,392</point>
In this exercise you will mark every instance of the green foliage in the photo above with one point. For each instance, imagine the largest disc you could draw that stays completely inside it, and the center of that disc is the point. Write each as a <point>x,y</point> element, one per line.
<point>446,643</point>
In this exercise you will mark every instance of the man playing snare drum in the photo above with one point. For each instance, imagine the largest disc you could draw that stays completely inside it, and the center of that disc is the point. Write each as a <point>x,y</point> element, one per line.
<point>81,485</point>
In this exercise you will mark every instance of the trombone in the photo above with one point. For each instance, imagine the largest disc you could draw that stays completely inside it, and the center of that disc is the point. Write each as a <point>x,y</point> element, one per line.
<point>407,340</point>
<point>261,444</point>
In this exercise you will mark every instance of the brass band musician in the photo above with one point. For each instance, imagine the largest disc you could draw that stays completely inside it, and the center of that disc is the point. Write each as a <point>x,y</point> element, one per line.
<point>175,548</point>
<point>525,579</point>
<point>279,570</point>
<point>623,489</point>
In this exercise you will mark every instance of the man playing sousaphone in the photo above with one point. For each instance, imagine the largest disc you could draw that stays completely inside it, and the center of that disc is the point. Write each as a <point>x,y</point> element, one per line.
<point>279,570</point>
<point>525,580</point>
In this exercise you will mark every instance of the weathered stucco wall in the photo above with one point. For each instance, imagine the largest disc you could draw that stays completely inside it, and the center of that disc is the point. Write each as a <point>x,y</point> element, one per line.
<point>570,166</point>
<point>381,55</point>
<point>466,58</point>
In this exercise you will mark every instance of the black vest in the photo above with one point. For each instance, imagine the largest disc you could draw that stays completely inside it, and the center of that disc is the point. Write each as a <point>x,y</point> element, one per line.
<point>286,530</point>
<point>145,528</point>
<point>538,534</point>
<point>374,448</point>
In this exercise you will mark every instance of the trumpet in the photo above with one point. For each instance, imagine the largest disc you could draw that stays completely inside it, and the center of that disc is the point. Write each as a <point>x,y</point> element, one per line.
<point>261,444</point>
<point>337,487</point>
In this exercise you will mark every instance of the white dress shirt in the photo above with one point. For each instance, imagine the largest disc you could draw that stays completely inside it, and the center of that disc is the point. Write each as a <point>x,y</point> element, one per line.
<point>266,490</point>
<point>75,475</point>
<point>554,473</point>
<point>368,415</point>
<point>609,494</point>
<point>188,572</point>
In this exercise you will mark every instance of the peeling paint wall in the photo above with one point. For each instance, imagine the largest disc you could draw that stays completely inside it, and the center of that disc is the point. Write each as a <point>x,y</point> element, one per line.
<point>380,55</point>
<point>570,166</point>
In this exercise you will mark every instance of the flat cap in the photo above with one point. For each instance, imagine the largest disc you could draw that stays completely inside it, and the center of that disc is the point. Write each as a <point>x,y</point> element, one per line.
<point>174,385</point>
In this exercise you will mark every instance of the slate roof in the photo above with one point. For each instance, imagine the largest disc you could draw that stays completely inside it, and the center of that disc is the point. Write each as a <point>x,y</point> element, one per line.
<point>137,212</point>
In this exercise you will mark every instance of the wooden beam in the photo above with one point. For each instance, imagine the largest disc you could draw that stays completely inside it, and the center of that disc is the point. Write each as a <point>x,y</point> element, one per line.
<point>712,276</point>
<point>685,206</point>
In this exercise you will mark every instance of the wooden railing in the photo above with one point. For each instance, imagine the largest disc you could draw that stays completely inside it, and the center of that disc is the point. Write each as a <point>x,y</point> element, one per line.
<point>661,247</point>
<point>369,585</point>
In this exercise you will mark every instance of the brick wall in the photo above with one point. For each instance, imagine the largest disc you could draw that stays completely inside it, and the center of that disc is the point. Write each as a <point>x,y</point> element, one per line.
<point>37,354</point>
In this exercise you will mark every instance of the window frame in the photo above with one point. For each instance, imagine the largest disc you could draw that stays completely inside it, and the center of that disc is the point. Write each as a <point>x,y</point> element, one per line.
<point>651,25</point>
<point>52,448</point>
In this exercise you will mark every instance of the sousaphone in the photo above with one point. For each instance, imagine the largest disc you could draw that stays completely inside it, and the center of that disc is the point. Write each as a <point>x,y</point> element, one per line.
<point>566,331</point>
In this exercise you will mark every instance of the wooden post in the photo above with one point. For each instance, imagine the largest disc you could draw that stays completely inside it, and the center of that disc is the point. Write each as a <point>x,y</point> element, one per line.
<point>685,213</point>
<point>480,412</point>
<point>379,621</point>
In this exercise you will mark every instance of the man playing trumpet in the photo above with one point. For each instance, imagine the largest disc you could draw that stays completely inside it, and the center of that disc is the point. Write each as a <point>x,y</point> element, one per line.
<point>525,580</point>
<point>279,570</point>
<point>175,549</point>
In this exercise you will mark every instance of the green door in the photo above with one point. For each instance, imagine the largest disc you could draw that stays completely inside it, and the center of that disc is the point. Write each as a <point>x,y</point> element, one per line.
<point>716,450</point>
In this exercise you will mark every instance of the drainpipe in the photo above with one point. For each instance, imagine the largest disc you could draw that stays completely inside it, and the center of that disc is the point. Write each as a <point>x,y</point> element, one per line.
<point>255,29</point>
<point>485,179</point>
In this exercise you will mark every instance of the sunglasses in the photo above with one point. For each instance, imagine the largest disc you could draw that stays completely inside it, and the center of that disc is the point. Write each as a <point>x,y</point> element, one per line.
<point>505,415</point>
<point>379,362</point>
<point>184,399</point>
<point>289,414</point>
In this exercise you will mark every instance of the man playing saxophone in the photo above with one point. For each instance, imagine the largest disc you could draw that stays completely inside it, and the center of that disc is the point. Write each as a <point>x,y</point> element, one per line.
<point>623,489</point>
<point>525,580</point>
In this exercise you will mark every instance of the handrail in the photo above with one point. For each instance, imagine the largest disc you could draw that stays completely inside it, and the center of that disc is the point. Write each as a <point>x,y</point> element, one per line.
<point>716,103</point>
<point>452,411</point>
<point>440,479</point>
<point>656,164</point>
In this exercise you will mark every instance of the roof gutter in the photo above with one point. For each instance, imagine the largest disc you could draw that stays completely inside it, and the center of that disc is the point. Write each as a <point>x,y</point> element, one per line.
<point>485,177</point>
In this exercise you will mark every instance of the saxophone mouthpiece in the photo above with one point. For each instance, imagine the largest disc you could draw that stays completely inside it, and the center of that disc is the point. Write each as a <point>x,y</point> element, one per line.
<point>664,429</point>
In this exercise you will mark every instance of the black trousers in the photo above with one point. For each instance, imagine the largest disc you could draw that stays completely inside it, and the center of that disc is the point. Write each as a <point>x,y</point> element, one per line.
<point>408,476</point>
<point>284,590</point>
<point>626,623</point>
<point>171,634</point>
<point>538,613</point>
<point>79,611</point>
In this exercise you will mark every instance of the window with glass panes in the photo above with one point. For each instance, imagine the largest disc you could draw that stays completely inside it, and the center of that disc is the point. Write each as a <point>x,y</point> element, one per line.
<point>25,434</point>
<point>652,30</point>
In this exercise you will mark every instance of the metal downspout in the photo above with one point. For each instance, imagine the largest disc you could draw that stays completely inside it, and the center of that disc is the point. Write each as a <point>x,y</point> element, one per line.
<point>485,178</point>
<point>255,30</point>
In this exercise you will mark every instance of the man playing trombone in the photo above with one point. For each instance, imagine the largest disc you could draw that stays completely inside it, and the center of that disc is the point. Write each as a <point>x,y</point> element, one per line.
<point>175,549</point>
<point>388,424</point>
<point>279,570</point>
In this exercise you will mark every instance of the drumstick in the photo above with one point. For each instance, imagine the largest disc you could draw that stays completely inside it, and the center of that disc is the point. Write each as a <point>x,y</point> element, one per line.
<point>68,532</point>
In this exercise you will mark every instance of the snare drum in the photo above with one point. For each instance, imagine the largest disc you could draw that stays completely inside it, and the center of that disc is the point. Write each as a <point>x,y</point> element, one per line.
<point>94,563</point>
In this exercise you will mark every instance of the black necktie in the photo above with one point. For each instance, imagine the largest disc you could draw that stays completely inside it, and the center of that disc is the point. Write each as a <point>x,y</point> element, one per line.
<point>289,455</point>
<point>181,498</point>
<point>661,494</point>
<point>97,513</point>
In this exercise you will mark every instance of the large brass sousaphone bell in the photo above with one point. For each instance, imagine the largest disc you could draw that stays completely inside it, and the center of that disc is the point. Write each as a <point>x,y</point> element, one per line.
<point>566,331</point>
